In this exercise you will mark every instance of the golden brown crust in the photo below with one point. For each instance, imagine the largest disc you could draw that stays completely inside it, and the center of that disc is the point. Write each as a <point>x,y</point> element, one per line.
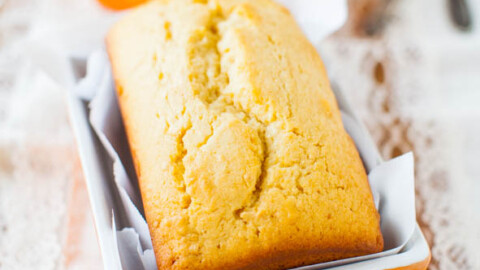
<point>237,140</point>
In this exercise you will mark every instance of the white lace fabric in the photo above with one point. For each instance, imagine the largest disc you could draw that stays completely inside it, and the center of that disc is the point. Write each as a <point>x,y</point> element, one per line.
<point>412,85</point>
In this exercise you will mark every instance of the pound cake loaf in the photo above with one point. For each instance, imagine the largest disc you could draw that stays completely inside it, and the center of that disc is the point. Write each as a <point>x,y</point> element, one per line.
<point>237,140</point>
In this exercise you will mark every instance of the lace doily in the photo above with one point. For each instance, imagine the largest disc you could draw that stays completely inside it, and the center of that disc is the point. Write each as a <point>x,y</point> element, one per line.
<point>390,79</point>
<point>44,211</point>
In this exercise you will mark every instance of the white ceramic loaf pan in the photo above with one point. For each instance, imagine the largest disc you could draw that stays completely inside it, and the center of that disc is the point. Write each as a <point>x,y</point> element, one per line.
<point>105,200</point>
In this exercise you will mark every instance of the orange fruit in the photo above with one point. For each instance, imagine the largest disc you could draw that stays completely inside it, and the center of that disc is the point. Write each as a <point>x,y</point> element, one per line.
<point>121,4</point>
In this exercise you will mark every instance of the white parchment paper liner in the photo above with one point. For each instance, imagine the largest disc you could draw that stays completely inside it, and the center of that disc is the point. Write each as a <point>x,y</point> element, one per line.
<point>392,182</point>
